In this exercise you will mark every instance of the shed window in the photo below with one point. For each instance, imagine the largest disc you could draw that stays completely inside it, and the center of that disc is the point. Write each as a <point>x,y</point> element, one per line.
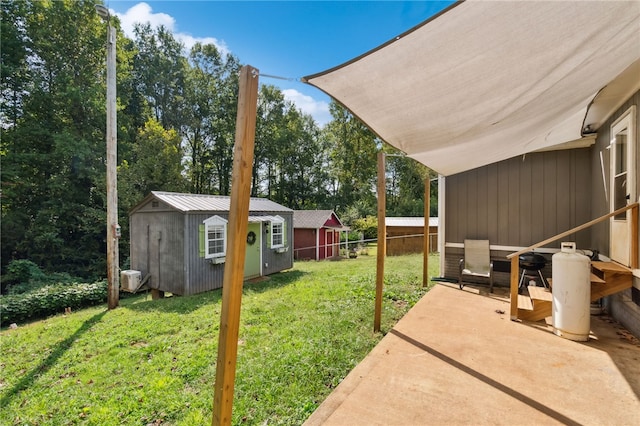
<point>216,237</point>
<point>277,232</point>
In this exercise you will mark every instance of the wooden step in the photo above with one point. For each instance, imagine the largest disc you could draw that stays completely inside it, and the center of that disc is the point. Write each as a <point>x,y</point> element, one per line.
<point>607,278</point>
<point>613,279</point>
<point>610,267</point>
<point>540,293</point>
<point>524,302</point>
<point>594,279</point>
<point>540,299</point>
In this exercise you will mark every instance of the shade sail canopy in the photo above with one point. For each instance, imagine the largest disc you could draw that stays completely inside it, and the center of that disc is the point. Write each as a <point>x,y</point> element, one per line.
<point>486,81</point>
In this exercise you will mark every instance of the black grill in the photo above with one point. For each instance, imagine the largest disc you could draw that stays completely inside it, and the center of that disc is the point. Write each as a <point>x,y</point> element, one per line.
<point>532,262</point>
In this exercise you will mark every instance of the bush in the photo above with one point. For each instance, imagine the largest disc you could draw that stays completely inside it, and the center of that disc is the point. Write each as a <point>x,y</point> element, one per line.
<point>21,272</point>
<point>50,300</point>
<point>368,226</point>
<point>23,276</point>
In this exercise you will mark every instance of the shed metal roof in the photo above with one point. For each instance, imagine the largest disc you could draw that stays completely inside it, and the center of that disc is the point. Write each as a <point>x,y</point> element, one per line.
<point>315,219</point>
<point>409,221</point>
<point>203,202</point>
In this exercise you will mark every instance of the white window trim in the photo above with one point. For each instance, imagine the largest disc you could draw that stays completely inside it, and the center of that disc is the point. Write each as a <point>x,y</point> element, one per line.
<point>277,220</point>
<point>215,221</point>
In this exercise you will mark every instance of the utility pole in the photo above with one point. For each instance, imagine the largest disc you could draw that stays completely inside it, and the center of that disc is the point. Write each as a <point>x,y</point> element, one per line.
<point>113,229</point>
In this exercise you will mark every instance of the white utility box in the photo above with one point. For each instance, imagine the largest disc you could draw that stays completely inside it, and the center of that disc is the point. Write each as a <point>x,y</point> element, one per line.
<point>130,280</point>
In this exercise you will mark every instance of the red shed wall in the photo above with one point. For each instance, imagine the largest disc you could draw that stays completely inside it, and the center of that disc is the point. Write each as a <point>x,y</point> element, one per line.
<point>304,244</point>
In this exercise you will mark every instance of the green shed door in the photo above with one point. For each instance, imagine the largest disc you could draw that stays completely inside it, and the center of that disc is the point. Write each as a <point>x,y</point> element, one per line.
<point>252,259</point>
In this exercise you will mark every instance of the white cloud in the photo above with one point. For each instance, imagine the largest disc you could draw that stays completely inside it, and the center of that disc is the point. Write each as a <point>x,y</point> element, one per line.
<point>142,13</point>
<point>319,110</point>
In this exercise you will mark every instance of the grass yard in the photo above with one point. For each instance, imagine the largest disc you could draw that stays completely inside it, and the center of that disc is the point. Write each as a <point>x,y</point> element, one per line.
<point>153,362</point>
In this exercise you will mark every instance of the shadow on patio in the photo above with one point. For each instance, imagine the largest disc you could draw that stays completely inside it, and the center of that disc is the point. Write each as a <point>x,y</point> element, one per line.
<point>456,358</point>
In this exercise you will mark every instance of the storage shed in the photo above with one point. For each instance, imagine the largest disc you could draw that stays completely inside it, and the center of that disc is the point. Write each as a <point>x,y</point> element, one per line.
<point>405,235</point>
<point>316,234</point>
<point>179,241</point>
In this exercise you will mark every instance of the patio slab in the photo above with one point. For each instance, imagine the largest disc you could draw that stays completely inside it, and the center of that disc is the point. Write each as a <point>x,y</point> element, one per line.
<point>456,358</point>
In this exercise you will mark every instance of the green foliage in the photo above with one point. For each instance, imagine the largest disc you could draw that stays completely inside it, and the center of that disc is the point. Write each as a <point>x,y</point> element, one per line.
<point>23,275</point>
<point>50,300</point>
<point>22,271</point>
<point>368,226</point>
<point>353,159</point>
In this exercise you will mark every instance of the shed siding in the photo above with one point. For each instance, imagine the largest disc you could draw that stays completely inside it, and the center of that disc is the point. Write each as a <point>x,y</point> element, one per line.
<point>202,274</point>
<point>272,261</point>
<point>165,246</point>
<point>154,237</point>
<point>305,244</point>
<point>521,201</point>
<point>409,239</point>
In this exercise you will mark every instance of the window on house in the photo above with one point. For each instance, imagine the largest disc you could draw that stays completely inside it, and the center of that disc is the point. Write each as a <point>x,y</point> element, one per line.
<point>216,237</point>
<point>277,232</point>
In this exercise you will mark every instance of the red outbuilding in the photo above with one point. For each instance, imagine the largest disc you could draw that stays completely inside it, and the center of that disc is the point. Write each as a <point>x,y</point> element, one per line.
<point>316,234</point>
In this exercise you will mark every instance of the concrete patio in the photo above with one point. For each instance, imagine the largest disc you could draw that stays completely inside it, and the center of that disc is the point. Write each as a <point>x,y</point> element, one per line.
<point>456,358</point>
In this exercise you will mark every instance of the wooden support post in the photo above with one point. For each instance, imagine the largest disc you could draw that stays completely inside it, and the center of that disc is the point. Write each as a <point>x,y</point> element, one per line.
<point>236,237</point>
<point>427,207</point>
<point>515,270</point>
<point>382,240</point>
<point>634,238</point>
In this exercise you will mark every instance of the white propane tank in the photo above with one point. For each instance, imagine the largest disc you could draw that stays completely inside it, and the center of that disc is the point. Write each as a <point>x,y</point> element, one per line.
<point>571,293</point>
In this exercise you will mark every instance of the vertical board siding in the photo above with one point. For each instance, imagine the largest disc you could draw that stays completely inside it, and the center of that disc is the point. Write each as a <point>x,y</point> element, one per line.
<point>169,250</point>
<point>537,197</point>
<point>203,275</point>
<point>304,244</point>
<point>153,253</point>
<point>483,200</point>
<point>272,261</point>
<point>521,201</point>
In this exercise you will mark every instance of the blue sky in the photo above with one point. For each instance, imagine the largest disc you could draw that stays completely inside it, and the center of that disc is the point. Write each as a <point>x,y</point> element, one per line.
<point>289,39</point>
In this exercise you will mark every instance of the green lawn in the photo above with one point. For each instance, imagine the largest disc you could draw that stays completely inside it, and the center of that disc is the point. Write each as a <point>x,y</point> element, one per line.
<point>153,362</point>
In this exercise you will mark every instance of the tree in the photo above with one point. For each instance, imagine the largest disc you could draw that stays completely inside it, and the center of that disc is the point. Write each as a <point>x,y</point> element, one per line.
<point>405,185</point>
<point>155,165</point>
<point>53,205</point>
<point>160,71</point>
<point>353,162</point>
<point>209,119</point>
<point>290,161</point>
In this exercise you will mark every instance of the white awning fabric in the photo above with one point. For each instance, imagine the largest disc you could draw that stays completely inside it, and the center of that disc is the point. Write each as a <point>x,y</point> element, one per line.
<point>485,81</point>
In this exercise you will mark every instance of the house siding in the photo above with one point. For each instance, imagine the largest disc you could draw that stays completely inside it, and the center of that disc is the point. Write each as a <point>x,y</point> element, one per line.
<point>519,202</point>
<point>624,306</point>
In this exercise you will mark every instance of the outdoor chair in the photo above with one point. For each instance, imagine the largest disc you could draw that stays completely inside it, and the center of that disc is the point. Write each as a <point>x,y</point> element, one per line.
<point>476,262</point>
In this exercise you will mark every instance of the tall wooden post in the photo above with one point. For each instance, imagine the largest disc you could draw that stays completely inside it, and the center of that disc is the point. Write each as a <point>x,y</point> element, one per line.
<point>513,288</point>
<point>427,208</point>
<point>113,279</point>
<point>236,249</point>
<point>634,238</point>
<point>382,240</point>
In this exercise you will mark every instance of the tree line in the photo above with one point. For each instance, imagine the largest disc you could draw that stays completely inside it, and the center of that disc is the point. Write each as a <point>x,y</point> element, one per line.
<point>176,113</point>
